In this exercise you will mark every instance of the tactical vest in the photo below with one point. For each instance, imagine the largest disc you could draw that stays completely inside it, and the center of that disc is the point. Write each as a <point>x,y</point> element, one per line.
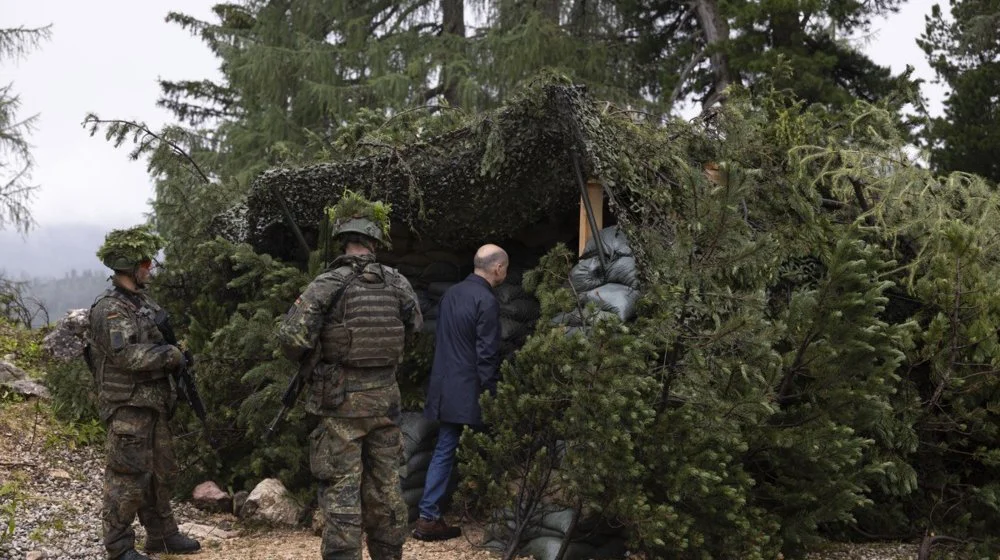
<point>117,386</point>
<point>364,333</point>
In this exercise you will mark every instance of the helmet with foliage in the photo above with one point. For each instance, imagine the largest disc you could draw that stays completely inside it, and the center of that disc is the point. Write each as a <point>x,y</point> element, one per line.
<point>356,214</point>
<point>123,249</point>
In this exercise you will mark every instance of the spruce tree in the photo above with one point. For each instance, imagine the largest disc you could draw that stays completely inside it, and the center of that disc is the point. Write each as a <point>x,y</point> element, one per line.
<point>964,50</point>
<point>16,162</point>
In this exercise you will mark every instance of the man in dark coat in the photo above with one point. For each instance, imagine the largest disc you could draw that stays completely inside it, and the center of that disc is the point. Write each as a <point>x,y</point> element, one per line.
<point>466,362</point>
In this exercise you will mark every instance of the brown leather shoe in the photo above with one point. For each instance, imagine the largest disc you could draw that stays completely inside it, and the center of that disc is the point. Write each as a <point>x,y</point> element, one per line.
<point>438,530</point>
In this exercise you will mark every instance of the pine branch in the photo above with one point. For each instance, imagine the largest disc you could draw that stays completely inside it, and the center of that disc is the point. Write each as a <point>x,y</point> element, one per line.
<point>119,129</point>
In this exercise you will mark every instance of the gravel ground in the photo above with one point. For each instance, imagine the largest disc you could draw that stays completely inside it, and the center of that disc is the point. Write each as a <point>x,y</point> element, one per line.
<point>57,489</point>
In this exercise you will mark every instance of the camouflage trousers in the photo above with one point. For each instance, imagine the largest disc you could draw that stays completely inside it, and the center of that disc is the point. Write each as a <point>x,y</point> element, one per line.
<point>140,468</point>
<point>356,462</point>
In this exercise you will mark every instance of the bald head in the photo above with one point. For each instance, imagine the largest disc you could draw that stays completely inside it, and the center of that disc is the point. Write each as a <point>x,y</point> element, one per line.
<point>490,262</point>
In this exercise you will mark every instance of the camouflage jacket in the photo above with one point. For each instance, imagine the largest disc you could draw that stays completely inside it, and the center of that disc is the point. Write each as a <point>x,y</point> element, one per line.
<point>132,362</point>
<point>299,333</point>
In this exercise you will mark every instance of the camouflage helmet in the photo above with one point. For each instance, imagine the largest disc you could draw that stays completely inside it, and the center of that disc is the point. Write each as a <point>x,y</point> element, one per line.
<point>123,249</point>
<point>364,226</point>
<point>353,213</point>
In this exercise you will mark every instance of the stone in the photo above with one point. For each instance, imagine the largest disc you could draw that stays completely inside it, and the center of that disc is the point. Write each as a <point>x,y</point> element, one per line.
<point>206,533</point>
<point>67,339</point>
<point>209,497</point>
<point>35,555</point>
<point>9,372</point>
<point>239,499</point>
<point>27,388</point>
<point>271,502</point>
<point>60,474</point>
<point>318,522</point>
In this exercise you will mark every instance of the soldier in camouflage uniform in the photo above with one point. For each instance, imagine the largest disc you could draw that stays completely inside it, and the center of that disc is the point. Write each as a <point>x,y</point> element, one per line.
<point>132,365</point>
<point>356,314</point>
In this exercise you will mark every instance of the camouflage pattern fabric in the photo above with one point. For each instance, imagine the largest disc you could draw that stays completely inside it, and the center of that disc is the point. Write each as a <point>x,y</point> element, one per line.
<point>356,462</point>
<point>131,357</point>
<point>355,450</point>
<point>300,329</point>
<point>137,481</point>
<point>132,366</point>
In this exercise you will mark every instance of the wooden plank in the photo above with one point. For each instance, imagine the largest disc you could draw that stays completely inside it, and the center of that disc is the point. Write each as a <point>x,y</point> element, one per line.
<point>596,195</point>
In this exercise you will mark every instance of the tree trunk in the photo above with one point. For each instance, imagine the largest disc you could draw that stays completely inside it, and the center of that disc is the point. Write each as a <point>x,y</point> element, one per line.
<point>549,9</point>
<point>453,23</point>
<point>716,30</point>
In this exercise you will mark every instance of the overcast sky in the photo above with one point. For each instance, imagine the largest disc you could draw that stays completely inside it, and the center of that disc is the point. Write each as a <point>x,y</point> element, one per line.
<point>105,56</point>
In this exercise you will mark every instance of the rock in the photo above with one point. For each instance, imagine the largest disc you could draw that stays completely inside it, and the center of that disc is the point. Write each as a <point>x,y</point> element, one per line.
<point>209,497</point>
<point>66,340</point>
<point>206,533</point>
<point>34,555</point>
<point>59,473</point>
<point>239,499</point>
<point>27,388</point>
<point>9,372</point>
<point>271,502</point>
<point>318,522</point>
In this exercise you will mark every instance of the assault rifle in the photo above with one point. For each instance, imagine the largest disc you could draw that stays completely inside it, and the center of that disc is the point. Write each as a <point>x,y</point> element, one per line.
<point>184,376</point>
<point>295,386</point>
<point>306,367</point>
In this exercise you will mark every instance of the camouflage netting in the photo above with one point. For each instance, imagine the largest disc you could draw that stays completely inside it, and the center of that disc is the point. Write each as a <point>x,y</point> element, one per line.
<point>487,181</point>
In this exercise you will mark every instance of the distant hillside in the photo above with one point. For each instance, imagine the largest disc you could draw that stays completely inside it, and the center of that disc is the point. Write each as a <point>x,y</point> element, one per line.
<point>50,251</point>
<point>58,265</point>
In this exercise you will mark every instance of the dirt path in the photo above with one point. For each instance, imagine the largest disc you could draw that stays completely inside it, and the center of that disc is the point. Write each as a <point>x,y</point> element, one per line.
<point>54,487</point>
<point>289,545</point>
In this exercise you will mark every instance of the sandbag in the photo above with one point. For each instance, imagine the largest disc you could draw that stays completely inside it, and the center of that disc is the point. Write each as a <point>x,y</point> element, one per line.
<point>419,460</point>
<point>623,271</point>
<point>587,275</point>
<point>592,529</point>
<point>411,271</point>
<point>616,298</point>
<point>432,313</point>
<point>414,259</point>
<point>437,289</point>
<point>573,318</point>
<point>441,272</point>
<point>419,434</point>
<point>512,329</point>
<point>514,276</point>
<point>425,301</point>
<point>546,548</point>
<point>412,496</point>
<point>502,529</point>
<point>615,245</point>
<point>508,292</point>
<point>525,310</point>
<point>414,480</point>
<point>445,256</point>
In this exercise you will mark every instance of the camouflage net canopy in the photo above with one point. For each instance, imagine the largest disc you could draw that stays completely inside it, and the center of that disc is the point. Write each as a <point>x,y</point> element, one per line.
<point>124,248</point>
<point>485,181</point>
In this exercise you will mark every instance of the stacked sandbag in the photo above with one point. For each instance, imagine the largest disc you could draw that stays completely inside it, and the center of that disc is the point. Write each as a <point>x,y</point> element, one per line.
<point>612,288</point>
<point>591,538</point>
<point>519,311</point>
<point>419,437</point>
<point>431,273</point>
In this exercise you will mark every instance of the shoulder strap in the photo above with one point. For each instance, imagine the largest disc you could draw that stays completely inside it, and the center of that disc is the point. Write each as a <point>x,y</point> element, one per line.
<point>340,291</point>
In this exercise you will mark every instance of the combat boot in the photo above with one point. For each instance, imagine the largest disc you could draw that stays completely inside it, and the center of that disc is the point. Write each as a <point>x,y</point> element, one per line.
<point>438,530</point>
<point>174,544</point>
<point>382,551</point>
<point>132,554</point>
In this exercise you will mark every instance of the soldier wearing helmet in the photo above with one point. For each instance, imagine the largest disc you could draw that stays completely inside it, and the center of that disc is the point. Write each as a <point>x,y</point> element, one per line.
<point>132,364</point>
<point>357,315</point>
